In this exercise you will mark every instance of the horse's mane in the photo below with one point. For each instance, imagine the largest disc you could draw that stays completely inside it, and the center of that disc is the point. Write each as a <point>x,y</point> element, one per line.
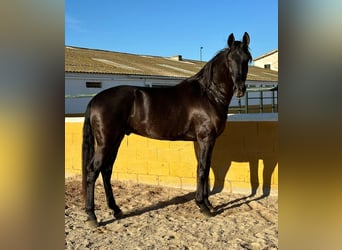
<point>205,75</point>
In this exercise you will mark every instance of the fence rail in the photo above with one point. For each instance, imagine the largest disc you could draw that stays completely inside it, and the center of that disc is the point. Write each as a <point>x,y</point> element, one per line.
<point>254,101</point>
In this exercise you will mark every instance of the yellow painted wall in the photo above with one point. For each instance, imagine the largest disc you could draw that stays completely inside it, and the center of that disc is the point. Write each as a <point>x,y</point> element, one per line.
<point>244,158</point>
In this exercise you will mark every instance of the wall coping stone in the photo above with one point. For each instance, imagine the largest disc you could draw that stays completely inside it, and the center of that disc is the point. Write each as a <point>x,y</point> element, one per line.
<point>255,117</point>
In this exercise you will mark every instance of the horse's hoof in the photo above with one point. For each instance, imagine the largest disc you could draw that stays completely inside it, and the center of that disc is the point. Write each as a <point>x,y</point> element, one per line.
<point>119,215</point>
<point>92,223</point>
<point>212,210</point>
<point>206,212</point>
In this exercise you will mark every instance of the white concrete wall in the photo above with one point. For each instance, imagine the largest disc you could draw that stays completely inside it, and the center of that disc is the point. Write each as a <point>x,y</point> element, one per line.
<point>270,59</point>
<point>75,84</point>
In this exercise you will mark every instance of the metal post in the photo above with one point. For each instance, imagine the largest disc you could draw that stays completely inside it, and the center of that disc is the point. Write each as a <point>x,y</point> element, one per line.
<point>273,104</point>
<point>261,101</point>
<point>246,102</point>
<point>239,102</point>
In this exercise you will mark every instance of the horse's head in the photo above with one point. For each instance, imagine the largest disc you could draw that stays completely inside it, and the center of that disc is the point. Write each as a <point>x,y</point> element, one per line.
<point>238,58</point>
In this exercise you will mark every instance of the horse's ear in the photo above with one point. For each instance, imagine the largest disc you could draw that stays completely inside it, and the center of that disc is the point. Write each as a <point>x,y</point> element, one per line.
<point>246,39</point>
<point>231,40</point>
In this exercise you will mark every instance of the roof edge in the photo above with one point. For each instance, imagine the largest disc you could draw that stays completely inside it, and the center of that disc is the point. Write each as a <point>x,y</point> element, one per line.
<point>133,54</point>
<point>266,54</point>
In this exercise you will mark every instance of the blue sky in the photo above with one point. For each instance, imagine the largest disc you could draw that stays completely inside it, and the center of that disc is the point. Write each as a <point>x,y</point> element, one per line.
<point>171,27</point>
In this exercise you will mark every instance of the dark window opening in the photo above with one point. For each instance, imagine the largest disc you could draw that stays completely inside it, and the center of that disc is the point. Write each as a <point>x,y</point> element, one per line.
<point>94,84</point>
<point>160,86</point>
<point>267,66</point>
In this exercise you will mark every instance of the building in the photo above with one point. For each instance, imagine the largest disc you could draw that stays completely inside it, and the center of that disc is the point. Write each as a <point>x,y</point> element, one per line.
<point>89,71</point>
<point>268,60</point>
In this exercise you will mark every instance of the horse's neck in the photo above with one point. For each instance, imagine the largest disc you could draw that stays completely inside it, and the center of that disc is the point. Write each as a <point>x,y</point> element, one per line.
<point>221,86</point>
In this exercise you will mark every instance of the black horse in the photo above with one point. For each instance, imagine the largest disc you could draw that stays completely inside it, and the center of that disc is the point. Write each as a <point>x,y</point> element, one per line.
<point>194,110</point>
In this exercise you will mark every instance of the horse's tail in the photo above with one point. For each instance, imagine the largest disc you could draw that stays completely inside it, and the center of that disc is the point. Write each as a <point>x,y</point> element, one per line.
<point>87,148</point>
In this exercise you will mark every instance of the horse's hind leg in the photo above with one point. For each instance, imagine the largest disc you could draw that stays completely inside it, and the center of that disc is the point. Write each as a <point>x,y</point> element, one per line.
<point>106,176</point>
<point>106,172</point>
<point>93,171</point>
<point>100,162</point>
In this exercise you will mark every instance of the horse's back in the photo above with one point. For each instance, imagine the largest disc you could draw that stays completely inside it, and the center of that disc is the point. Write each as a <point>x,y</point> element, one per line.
<point>113,97</point>
<point>165,113</point>
<point>112,94</point>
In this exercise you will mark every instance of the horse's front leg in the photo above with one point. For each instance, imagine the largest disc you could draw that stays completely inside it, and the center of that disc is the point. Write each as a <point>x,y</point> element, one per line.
<point>206,189</point>
<point>203,154</point>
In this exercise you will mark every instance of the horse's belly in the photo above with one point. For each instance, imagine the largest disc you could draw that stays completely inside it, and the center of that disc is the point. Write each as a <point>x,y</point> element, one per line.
<point>164,132</point>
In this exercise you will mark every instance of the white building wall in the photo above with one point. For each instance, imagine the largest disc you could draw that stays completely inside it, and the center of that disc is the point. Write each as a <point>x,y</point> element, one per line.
<point>271,59</point>
<point>75,87</point>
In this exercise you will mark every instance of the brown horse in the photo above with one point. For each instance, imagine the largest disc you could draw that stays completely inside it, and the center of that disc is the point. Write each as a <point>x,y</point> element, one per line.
<point>194,110</point>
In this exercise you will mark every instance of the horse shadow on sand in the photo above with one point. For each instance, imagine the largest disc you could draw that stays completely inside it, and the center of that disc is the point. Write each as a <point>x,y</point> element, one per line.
<point>221,162</point>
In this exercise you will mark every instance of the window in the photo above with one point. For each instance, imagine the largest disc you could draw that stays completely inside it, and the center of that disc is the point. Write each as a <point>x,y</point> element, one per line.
<point>267,66</point>
<point>94,84</point>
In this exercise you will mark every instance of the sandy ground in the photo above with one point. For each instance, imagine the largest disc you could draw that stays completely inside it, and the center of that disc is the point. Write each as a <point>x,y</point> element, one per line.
<point>167,218</point>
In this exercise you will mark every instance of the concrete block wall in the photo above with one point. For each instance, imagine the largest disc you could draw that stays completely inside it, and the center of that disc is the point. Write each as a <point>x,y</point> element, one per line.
<point>244,158</point>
